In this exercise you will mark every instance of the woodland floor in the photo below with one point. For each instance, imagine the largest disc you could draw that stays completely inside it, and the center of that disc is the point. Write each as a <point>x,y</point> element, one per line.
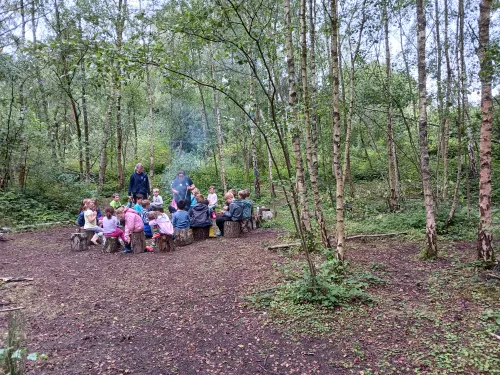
<point>187,312</point>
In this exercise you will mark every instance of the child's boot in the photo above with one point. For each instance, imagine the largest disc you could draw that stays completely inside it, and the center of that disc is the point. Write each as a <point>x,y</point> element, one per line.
<point>94,239</point>
<point>128,249</point>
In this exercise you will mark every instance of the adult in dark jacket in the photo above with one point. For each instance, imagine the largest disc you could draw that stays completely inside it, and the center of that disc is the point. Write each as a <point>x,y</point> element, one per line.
<point>139,183</point>
<point>181,188</point>
<point>199,214</point>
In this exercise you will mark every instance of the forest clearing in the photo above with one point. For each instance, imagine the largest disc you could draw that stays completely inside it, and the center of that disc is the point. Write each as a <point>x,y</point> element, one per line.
<point>200,310</point>
<point>278,187</point>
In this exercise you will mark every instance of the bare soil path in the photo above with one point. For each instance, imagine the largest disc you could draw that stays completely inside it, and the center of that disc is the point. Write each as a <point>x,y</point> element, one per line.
<point>184,312</point>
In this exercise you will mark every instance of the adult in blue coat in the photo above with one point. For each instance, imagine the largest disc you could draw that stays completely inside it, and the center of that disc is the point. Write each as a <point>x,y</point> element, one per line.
<point>139,183</point>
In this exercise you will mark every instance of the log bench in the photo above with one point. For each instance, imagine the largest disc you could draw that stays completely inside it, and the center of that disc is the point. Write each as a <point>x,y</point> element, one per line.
<point>138,242</point>
<point>165,243</point>
<point>79,242</point>
<point>183,237</point>
<point>232,229</point>
<point>110,245</point>
<point>201,233</point>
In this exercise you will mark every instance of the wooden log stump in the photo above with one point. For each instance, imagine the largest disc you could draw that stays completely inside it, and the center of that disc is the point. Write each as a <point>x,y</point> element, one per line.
<point>232,229</point>
<point>165,243</point>
<point>88,235</point>
<point>110,245</point>
<point>201,233</point>
<point>138,242</point>
<point>246,225</point>
<point>183,237</point>
<point>79,242</point>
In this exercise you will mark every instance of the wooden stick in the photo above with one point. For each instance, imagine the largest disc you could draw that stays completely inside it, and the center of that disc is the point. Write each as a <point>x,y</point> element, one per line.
<point>12,309</point>
<point>274,247</point>
<point>15,279</point>
<point>494,335</point>
<point>494,276</point>
<point>375,235</point>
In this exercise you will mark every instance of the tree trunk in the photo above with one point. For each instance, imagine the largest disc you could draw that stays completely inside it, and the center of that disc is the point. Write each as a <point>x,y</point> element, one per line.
<point>464,83</point>
<point>85,125</point>
<point>304,223</point>
<point>485,236</point>
<point>256,176</point>
<point>393,196</point>
<point>337,168</point>
<point>105,138</point>
<point>313,177</point>
<point>219,133</point>
<point>430,230</point>
<point>23,151</point>
<point>294,126</point>
<point>204,123</point>
<point>120,24</point>
<point>151,128</point>
<point>446,116</point>
<point>350,114</point>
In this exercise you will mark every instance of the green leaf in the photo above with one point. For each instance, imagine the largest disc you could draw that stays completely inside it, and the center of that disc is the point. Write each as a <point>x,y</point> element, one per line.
<point>18,354</point>
<point>32,356</point>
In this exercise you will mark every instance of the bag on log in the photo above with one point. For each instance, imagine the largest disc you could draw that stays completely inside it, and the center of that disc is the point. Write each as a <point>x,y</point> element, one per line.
<point>79,242</point>
<point>183,237</point>
<point>201,233</point>
<point>165,243</point>
<point>110,245</point>
<point>138,242</point>
<point>232,229</point>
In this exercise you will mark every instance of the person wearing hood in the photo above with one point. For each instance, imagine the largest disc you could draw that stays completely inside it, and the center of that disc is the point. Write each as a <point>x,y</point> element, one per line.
<point>199,214</point>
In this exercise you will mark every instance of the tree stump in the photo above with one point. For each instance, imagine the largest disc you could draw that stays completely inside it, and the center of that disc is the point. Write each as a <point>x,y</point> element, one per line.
<point>232,229</point>
<point>88,235</point>
<point>78,242</point>
<point>110,245</point>
<point>138,242</point>
<point>165,243</point>
<point>246,225</point>
<point>183,237</point>
<point>201,233</point>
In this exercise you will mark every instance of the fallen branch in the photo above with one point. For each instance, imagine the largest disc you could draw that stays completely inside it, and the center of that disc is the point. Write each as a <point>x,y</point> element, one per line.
<point>493,276</point>
<point>375,235</point>
<point>494,335</point>
<point>12,309</point>
<point>283,246</point>
<point>15,279</point>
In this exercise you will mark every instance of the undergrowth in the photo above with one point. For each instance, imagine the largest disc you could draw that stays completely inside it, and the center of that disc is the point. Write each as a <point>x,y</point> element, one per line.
<point>305,303</point>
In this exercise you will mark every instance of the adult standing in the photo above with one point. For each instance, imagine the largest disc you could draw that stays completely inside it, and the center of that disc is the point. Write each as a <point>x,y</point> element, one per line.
<point>139,183</point>
<point>181,188</point>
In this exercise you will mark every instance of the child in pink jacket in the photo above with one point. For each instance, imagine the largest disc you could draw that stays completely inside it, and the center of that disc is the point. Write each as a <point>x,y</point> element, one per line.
<point>133,224</point>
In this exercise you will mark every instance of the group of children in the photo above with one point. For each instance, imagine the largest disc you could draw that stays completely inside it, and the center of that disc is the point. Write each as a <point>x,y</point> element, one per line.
<point>148,215</point>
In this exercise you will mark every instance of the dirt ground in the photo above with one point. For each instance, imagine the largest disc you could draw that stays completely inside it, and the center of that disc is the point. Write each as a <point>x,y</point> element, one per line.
<point>185,312</point>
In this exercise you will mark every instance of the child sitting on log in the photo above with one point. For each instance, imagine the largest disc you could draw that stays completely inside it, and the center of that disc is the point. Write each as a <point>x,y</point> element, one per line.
<point>180,218</point>
<point>199,214</point>
<point>160,224</point>
<point>133,224</point>
<point>81,213</point>
<point>146,208</point>
<point>110,225</point>
<point>138,203</point>
<point>247,207</point>
<point>212,198</point>
<point>232,212</point>
<point>157,200</point>
<point>90,216</point>
<point>194,193</point>
<point>115,202</point>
